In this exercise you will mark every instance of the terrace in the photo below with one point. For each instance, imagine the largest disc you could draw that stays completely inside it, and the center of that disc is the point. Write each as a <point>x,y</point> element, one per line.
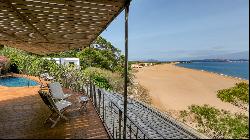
<point>50,26</point>
<point>23,113</point>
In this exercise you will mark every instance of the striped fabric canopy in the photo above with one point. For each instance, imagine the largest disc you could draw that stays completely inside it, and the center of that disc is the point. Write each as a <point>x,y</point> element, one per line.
<point>50,26</point>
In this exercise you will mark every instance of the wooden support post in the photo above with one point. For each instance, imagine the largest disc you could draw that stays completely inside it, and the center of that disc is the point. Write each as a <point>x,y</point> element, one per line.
<point>126,69</point>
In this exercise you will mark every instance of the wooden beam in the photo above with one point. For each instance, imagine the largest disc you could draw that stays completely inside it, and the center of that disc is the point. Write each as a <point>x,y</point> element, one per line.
<point>11,35</point>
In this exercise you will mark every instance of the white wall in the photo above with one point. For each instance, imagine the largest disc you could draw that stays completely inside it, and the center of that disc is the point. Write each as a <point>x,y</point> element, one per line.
<point>65,61</point>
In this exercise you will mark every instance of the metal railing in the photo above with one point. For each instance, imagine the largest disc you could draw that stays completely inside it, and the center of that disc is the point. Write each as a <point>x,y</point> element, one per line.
<point>139,125</point>
<point>112,115</point>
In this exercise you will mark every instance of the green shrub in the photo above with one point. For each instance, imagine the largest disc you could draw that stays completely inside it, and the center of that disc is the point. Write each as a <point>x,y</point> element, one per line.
<point>205,112</point>
<point>219,123</point>
<point>239,94</point>
<point>105,79</point>
<point>102,82</point>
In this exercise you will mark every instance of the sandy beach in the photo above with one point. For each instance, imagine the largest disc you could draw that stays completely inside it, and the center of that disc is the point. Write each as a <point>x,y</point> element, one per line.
<point>173,88</point>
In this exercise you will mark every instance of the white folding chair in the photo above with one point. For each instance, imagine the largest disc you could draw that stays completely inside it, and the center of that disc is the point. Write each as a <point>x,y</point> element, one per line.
<point>57,92</point>
<point>57,107</point>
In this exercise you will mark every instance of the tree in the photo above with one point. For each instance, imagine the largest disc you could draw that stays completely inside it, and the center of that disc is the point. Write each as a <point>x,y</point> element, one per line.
<point>70,53</point>
<point>102,54</point>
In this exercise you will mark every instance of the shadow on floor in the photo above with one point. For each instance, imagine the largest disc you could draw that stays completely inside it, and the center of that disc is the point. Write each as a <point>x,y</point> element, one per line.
<point>23,117</point>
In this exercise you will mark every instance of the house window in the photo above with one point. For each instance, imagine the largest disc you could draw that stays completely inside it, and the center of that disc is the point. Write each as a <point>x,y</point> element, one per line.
<point>71,64</point>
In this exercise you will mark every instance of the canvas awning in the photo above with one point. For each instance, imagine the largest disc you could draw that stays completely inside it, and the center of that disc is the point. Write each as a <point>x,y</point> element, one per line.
<point>49,26</point>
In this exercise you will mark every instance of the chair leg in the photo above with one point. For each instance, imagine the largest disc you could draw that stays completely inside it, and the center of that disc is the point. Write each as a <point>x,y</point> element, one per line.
<point>55,122</point>
<point>83,106</point>
<point>62,116</point>
<point>48,118</point>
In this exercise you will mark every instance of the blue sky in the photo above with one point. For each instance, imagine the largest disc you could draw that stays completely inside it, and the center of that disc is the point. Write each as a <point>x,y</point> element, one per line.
<point>178,29</point>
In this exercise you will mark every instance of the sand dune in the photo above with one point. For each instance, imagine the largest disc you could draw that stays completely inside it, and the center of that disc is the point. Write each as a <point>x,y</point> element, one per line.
<point>175,88</point>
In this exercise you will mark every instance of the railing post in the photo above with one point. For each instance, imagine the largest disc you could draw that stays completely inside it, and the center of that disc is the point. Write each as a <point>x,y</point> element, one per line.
<point>112,115</point>
<point>99,101</point>
<point>120,124</point>
<point>66,83</point>
<point>103,107</point>
<point>91,91</point>
<point>130,131</point>
<point>87,89</point>
<point>95,102</point>
<point>136,135</point>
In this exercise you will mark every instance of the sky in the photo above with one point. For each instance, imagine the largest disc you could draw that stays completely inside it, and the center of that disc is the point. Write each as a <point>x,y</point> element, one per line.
<point>182,29</point>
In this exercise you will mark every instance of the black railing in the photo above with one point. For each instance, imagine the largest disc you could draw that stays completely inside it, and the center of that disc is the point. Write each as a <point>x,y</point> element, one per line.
<point>109,107</point>
<point>112,115</point>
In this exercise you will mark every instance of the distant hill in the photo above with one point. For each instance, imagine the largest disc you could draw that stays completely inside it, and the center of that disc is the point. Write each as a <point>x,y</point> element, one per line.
<point>151,60</point>
<point>230,56</point>
<point>238,55</point>
<point>220,60</point>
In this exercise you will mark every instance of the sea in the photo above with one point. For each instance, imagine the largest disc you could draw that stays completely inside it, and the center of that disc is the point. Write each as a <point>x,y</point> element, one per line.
<point>234,69</point>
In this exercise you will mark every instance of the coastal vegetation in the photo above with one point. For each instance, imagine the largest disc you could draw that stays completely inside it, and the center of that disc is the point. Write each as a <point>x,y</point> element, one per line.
<point>101,64</point>
<point>237,95</point>
<point>217,123</point>
<point>220,123</point>
<point>105,79</point>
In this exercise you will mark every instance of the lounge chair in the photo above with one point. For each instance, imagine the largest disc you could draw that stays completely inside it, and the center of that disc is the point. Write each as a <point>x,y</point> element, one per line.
<point>46,76</point>
<point>56,107</point>
<point>56,91</point>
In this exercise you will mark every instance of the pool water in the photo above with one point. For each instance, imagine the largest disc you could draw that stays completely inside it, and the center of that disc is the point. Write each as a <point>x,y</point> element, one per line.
<point>17,82</point>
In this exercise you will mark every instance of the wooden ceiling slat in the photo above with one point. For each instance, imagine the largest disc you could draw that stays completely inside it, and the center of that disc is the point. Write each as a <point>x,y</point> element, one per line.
<point>107,2</point>
<point>48,26</point>
<point>76,6</point>
<point>24,19</point>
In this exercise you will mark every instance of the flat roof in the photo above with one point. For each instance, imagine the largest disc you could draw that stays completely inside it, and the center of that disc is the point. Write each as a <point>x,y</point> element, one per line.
<point>50,26</point>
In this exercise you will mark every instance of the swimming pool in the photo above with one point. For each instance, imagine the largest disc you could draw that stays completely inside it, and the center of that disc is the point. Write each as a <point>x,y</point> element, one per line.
<point>17,82</point>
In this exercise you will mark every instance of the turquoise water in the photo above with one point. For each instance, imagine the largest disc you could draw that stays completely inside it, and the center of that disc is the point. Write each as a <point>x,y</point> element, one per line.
<point>17,82</point>
<point>235,69</point>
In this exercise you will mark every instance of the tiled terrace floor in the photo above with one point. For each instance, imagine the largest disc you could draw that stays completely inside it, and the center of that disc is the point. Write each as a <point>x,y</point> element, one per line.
<point>22,113</point>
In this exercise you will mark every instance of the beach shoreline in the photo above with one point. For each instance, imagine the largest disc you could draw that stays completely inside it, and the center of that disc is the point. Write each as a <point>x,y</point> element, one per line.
<point>220,74</point>
<point>173,88</point>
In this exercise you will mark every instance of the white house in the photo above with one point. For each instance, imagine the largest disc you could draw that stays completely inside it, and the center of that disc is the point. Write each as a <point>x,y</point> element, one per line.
<point>66,61</point>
